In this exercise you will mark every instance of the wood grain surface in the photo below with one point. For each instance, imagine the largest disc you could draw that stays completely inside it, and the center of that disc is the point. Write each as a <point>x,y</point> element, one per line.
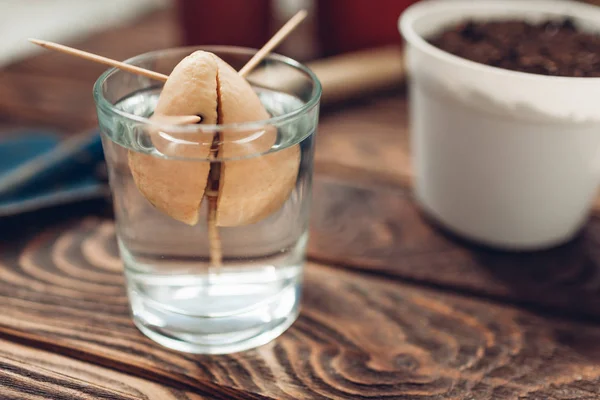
<point>376,228</point>
<point>403,311</point>
<point>358,336</point>
<point>36,374</point>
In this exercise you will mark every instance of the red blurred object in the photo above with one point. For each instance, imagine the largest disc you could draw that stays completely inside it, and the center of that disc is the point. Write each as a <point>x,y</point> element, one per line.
<point>348,25</point>
<point>225,22</point>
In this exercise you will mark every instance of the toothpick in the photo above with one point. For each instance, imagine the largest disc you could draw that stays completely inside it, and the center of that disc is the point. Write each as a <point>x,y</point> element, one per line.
<point>214,238</point>
<point>99,59</point>
<point>176,119</point>
<point>274,42</point>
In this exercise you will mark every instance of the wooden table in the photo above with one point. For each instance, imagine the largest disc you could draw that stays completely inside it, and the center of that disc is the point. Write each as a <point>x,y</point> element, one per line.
<point>393,308</point>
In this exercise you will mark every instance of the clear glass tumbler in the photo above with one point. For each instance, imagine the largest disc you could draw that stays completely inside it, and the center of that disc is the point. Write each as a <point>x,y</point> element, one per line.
<point>221,284</point>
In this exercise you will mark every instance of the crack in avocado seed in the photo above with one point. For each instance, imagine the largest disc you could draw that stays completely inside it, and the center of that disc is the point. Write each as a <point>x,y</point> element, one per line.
<point>212,192</point>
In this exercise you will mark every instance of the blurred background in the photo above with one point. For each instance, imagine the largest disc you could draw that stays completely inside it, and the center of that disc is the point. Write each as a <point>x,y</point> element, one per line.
<point>352,45</point>
<point>44,88</point>
<point>334,26</point>
<point>40,87</point>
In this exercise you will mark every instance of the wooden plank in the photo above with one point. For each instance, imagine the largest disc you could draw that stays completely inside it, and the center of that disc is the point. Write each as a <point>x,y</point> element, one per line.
<point>372,224</point>
<point>27,373</point>
<point>379,229</point>
<point>369,136</point>
<point>399,349</point>
<point>358,336</point>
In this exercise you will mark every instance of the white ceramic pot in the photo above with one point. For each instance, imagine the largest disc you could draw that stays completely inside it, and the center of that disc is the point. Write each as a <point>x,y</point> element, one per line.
<point>504,158</point>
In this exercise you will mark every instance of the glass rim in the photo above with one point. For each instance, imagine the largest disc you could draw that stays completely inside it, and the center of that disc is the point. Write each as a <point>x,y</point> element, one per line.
<point>105,105</point>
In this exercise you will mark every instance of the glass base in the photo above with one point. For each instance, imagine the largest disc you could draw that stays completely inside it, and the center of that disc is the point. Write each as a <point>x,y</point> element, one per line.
<point>223,334</point>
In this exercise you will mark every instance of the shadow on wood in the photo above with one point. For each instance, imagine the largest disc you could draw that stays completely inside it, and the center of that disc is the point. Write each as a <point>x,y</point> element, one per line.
<point>379,229</point>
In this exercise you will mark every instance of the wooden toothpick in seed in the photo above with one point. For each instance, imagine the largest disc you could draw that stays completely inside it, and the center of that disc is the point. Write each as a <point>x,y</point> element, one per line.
<point>273,42</point>
<point>216,253</point>
<point>176,119</point>
<point>100,59</point>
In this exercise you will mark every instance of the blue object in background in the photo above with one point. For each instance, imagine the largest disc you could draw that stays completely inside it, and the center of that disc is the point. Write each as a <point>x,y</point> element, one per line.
<point>38,170</point>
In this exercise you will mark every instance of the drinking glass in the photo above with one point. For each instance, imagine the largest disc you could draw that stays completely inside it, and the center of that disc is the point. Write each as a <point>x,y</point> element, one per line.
<point>211,287</point>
